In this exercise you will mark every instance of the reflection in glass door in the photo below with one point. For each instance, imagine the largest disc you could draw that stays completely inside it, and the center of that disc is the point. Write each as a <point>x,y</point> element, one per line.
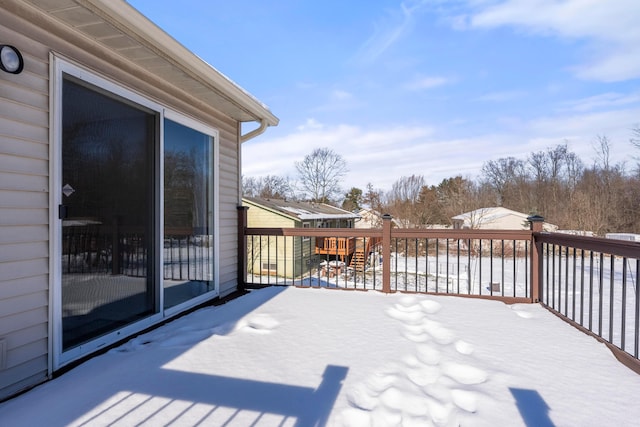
<point>188,214</point>
<point>107,212</point>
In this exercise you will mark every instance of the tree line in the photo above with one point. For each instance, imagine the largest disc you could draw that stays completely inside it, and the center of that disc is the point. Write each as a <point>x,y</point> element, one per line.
<point>600,197</point>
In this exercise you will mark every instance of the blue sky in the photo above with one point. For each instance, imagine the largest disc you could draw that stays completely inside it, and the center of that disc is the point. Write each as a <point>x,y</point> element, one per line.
<point>432,87</point>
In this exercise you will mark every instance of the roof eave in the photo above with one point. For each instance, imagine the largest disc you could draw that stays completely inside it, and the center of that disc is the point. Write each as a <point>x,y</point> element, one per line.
<point>129,19</point>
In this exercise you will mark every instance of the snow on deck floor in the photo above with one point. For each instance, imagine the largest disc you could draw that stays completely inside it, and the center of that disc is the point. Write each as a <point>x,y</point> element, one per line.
<point>288,356</point>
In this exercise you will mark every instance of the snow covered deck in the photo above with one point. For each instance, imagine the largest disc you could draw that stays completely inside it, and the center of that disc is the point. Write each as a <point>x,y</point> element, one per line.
<point>284,356</point>
<point>592,283</point>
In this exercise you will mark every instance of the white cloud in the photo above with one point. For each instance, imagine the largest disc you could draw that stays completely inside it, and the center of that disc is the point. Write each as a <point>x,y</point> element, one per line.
<point>338,100</point>
<point>609,27</point>
<point>375,155</point>
<point>501,96</point>
<point>382,155</point>
<point>310,124</point>
<point>428,82</point>
<point>580,130</point>
<point>341,95</point>
<point>391,29</point>
<point>379,155</point>
<point>610,100</point>
<point>587,124</point>
<point>618,63</point>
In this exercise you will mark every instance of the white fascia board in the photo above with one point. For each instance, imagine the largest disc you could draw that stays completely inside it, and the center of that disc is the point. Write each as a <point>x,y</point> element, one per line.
<point>128,19</point>
<point>327,216</point>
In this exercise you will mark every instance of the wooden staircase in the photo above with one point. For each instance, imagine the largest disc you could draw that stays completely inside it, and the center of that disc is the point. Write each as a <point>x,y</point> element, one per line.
<point>358,260</point>
<point>361,253</point>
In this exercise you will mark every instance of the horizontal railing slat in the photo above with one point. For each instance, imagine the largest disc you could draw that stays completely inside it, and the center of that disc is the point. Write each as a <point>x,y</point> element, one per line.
<point>622,248</point>
<point>314,232</point>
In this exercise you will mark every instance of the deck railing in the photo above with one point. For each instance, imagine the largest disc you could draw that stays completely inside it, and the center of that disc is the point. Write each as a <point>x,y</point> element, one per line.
<point>590,282</point>
<point>593,283</point>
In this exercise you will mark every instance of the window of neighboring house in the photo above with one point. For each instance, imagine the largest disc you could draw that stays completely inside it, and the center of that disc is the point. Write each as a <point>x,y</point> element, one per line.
<point>306,225</point>
<point>269,267</point>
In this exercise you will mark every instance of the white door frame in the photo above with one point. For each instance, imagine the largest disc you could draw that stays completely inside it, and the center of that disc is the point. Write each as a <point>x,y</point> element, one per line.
<point>56,357</point>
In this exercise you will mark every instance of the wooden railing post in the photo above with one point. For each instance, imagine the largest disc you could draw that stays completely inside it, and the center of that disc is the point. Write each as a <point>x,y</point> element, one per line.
<point>386,253</point>
<point>242,247</point>
<point>535,224</point>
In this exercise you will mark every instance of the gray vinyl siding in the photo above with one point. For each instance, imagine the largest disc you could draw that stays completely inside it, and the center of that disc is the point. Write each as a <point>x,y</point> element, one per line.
<point>24,210</point>
<point>24,186</point>
<point>228,193</point>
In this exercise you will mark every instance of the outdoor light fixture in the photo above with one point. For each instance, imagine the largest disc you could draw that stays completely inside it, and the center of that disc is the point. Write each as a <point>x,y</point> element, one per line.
<point>10,59</point>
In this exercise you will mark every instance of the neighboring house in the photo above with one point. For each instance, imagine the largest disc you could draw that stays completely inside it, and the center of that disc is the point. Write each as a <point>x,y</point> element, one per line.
<point>371,218</point>
<point>278,213</point>
<point>631,237</point>
<point>495,218</point>
<point>576,232</point>
<point>96,243</point>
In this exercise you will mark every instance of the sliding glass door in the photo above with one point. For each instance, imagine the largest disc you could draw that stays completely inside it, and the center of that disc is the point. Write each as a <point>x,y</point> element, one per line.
<point>107,212</point>
<point>133,190</point>
<point>188,213</point>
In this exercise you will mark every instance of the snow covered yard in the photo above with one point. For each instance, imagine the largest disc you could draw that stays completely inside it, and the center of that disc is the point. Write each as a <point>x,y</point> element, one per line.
<point>288,356</point>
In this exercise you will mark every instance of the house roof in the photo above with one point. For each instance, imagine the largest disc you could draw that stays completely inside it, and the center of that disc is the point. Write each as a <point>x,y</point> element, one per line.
<point>491,214</point>
<point>119,27</point>
<point>369,214</point>
<point>302,210</point>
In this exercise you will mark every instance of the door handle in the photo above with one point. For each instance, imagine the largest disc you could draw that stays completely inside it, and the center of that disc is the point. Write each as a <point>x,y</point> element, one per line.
<point>63,211</point>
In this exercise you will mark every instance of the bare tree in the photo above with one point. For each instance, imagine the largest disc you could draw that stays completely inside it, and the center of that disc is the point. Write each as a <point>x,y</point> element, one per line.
<point>407,188</point>
<point>276,187</point>
<point>635,141</point>
<point>268,187</point>
<point>402,200</point>
<point>574,168</point>
<point>635,138</point>
<point>602,148</point>
<point>320,174</point>
<point>250,186</point>
<point>557,157</point>
<point>504,175</point>
<point>456,196</point>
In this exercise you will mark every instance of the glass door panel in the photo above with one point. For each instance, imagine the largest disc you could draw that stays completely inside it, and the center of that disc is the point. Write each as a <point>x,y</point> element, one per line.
<point>107,212</point>
<point>188,213</point>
